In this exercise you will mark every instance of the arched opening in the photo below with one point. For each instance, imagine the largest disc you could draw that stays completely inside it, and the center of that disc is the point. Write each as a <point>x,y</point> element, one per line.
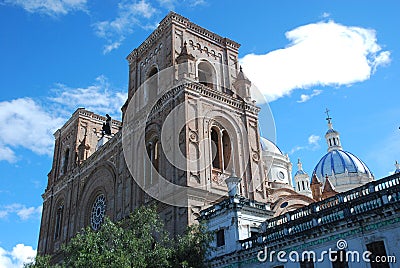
<point>221,149</point>
<point>216,148</point>
<point>226,142</point>
<point>59,219</point>
<point>302,183</point>
<point>206,74</point>
<point>152,72</point>
<point>65,161</point>
<point>156,156</point>
<point>152,83</point>
<point>153,152</point>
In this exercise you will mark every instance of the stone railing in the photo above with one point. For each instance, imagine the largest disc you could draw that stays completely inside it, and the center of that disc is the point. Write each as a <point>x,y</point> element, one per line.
<point>237,201</point>
<point>361,200</point>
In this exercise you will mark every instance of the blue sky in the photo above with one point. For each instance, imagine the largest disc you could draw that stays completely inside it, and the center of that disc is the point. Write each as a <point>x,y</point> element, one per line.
<point>305,56</point>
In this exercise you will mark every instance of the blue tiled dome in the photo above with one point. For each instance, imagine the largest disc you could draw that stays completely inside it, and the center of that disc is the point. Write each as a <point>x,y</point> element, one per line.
<point>331,131</point>
<point>300,172</point>
<point>339,161</point>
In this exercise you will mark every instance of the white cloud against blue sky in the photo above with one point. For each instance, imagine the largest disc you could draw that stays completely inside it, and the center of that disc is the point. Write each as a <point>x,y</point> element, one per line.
<point>131,14</point>
<point>33,122</point>
<point>16,258</point>
<point>58,55</point>
<point>49,7</point>
<point>318,54</point>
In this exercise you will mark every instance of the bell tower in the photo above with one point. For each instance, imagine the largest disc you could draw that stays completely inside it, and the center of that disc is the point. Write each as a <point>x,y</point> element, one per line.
<point>201,125</point>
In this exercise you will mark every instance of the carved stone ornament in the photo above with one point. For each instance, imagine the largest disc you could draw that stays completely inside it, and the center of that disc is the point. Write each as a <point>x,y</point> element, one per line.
<point>219,178</point>
<point>256,156</point>
<point>193,137</point>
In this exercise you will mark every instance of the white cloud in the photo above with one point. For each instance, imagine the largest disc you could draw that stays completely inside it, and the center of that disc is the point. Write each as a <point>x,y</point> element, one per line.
<point>23,212</point>
<point>16,258</point>
<point>325,15</point>
<point>130,15</point>
<point>98,97</point>
<point>7,154</point>
<point>26,213</point>
<point>313,141</point>
<point>29,124</point>
<point>170,4</point>
<point>323,54</point>
<point>110,47</point>
<point>304,97</point>
<point>26,124</point>
<point>313,144</point>
<point>49,7</point>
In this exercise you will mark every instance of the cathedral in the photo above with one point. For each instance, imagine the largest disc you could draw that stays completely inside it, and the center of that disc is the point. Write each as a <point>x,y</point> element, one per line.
<point>189,129</point>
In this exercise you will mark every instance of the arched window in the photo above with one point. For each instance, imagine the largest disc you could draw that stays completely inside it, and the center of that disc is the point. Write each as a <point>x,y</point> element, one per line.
<point>58,223</point>
<point>153,152</point>
<point>216,147</point>
<point>221,148</point>
<point>152,83</point>
<point>65,161</point>
<point>206,74</point>
<point>302,183</point>
<point>226,142</point>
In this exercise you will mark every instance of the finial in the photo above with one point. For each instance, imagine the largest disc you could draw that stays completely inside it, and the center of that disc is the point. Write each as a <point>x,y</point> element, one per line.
<point>328,117</point>
<point>299,165</point>
<point>184,55</point>
<point>397,165</point>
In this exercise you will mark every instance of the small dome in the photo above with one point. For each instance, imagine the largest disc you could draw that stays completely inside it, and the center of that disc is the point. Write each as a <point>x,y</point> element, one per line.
<point>338,162</point>
<point>300,172</point>
<point>332,131</point>
<point>269,146</point>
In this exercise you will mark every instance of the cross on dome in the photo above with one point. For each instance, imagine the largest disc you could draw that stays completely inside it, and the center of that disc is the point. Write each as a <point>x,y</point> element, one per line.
<point>332,136</point>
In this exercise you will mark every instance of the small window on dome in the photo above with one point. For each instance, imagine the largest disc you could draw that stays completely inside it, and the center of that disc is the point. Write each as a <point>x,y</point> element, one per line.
<point>284,204</point>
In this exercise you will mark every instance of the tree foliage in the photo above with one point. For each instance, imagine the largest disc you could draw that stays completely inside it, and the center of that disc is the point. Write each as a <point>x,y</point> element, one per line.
<point>139,241</point>
<point>192,247</point>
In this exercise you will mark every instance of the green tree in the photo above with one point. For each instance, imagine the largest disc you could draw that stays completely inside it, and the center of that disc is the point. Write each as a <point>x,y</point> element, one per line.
<point>40,262</point>
<point>139,241</point>
<point>192,247</point>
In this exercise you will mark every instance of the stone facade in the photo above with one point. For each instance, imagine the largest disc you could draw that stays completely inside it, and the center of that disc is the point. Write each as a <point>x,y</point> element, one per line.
<point>187,98</point>
<point>91,177</point>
